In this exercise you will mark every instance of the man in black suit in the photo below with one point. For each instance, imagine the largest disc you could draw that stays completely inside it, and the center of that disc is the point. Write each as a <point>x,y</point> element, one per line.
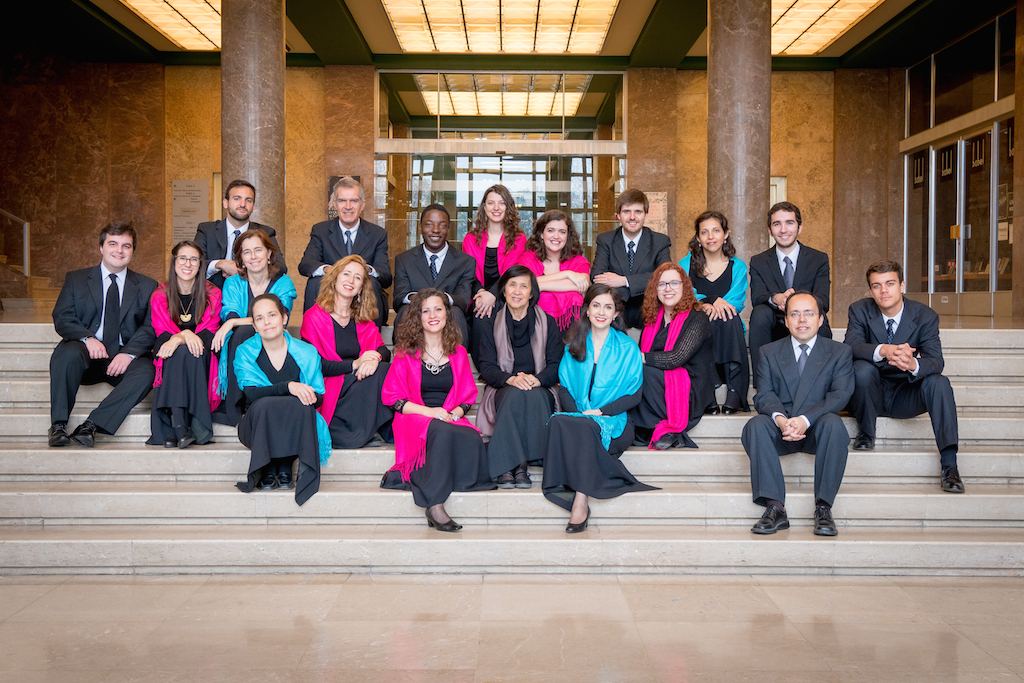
<point>626,257</point>
<point>217,238</point>
<point>435,265</point>
<point>898,364</point>
<point>806,379</point>
<point>102,315</point>
<point>776,273</point>
<point>333,240</point>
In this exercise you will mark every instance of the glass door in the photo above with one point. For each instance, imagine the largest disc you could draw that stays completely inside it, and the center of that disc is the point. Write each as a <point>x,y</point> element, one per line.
<point>946,222</point>
<point>976,227</point>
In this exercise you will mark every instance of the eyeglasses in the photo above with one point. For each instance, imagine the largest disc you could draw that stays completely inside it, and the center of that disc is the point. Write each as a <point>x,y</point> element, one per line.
<point>674,284</point>
<point>187,260</point>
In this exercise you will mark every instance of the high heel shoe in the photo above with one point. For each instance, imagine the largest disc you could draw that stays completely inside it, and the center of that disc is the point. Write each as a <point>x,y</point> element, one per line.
<point>571,528</point>
<point>451,526</point>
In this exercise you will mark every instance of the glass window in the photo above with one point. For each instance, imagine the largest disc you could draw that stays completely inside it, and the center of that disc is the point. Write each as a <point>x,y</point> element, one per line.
<point>977,212</point>
<point>1004,197</point>
<point>916,270</point>
<point>919,80</point>
<point>946,219</point>
<point>965,75</point>
<point>1007,37</point>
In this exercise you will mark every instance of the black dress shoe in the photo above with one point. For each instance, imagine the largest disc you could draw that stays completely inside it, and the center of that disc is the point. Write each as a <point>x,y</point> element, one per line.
<point>712,410</point>
<point>451,526</point>
<point>951,482</point>
<point>771,521</point>
<point>57,436</point>
<point>284,480</point>
<point>730,410</point>
<point>824,525</point>
<point>187,440</point>
<point>171,442</point>
<point>522,477</point>
<point>571,528</point>
<point>268,482</point>
<point>84,434</point>
<point>666,442</point>
<point>506,481</point>
<point>863,442</point>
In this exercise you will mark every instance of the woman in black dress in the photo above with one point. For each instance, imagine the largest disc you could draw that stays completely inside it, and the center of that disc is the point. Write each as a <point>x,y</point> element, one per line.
<point>678,361</point>
<point>431,388</point>
<point>518,360</point>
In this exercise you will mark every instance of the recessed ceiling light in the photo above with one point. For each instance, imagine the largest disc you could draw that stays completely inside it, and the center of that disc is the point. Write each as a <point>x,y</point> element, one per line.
<point>190,24</point>
<point>502,94</point>
<point>806,27</point>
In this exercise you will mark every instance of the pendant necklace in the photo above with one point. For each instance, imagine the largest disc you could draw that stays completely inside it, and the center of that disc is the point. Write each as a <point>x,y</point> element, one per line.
<point>186,316</point>
<point>433,367</point>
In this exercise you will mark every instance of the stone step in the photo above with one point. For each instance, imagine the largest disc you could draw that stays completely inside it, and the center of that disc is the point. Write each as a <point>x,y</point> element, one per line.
<point>604,549</point>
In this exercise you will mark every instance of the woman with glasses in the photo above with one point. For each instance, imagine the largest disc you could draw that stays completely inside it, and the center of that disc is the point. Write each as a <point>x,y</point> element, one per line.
<point>185,312</point>
<point>678,361</point>
<point>257,260</point>
<point>720,282</point>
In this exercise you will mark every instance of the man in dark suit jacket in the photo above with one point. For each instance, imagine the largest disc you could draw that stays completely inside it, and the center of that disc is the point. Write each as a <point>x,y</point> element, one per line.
<point>776,273</point>
<point>806,379</point>
<point>626,257</point>
<point>348,234</point>
<point>435,264</point>
<point>898,364</point>
<point>102,315</point>
<point>217,238</point>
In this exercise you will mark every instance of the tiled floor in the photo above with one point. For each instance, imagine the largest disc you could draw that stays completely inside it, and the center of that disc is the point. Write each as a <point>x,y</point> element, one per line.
<point>355,628</point>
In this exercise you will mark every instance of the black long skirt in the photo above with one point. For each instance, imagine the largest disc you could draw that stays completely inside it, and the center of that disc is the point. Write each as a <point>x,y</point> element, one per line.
<point>730,349</point>
<point>519,434</point>
<point>456,461</point>
<point>360,413</point>
<point>652,408</point>
<point>229,412</point>
<point>185,385</point>
<point>575,461</point>
<point>281,427</point>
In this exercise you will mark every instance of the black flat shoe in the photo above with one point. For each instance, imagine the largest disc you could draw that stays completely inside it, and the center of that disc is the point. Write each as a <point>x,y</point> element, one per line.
<point>666,442</point>
<point>57,435</point>
<point>863,442</point>
<point>772,520</point>
<point>712,410</point>
<point>268,482</point>
<point>824,525</point>
<point>522,477</point>
<point>506,481</point>
<point>731,410</point>
<point>84,434</point>
<point>187,440</point>
<point>571,528</point>
<point>285,481</point>
<point>451,526</point>
<point>950,481</point>
<point>171,442</point>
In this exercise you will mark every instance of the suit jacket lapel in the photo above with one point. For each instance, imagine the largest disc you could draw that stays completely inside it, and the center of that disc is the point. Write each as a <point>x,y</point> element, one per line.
<point>876,323</point>
<point>96,288</point>
<point>362,240</point>
<point>815,362</point>
<point>423,266</point>
<point>908,323</point>
<point>445,269</point>
<point>620,262</point>
<point>802,267</point>
<point>787,366</point>
<point>334,234</point>
<point>220,238</point>
<point>131,291</point>
<point>643,248</point>
<point>780,281</point>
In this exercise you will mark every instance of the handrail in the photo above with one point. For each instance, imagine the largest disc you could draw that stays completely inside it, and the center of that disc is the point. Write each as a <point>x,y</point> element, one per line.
<point>25,232</point>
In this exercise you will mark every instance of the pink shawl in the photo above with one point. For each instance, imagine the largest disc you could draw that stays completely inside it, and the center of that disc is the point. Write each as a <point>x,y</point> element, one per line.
<point>565,307</point>
<point>477,248</point>
<point>318,329</point>
<point>210,321</point>
<point>677,381</point>
<point>403,382</point>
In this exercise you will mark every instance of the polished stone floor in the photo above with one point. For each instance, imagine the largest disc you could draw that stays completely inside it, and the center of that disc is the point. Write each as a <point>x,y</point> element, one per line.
<point>404,629</point>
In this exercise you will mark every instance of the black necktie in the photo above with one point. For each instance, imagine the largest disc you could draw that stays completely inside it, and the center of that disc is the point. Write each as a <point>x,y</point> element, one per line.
<point>802,360</point>
<point>433,266</point>
<point>234,241</point>
<point>112,318</point>
<point>890,330</point>
<point>787,274</point>
<point>348,243</point>
<point>631,252</point>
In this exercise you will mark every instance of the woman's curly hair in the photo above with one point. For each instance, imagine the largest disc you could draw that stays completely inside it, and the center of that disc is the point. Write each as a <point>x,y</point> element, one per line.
<point>409,334</point>
<point>687,300</point>
<point>364,304</point>
<point>510,228</point>
<point>536,241</point>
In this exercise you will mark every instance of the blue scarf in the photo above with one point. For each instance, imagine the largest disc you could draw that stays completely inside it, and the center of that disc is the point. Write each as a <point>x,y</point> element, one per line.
<point>249,374</point>
<point>235,300</point>
<point>620,373</point>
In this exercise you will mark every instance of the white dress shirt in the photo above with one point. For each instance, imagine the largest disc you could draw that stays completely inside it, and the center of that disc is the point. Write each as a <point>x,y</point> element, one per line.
<point>793,256</point>
<point>212,267</point>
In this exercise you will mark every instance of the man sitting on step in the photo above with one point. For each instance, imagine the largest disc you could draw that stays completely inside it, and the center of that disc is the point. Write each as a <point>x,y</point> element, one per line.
<point>898,364</point>
<point>102,316</point>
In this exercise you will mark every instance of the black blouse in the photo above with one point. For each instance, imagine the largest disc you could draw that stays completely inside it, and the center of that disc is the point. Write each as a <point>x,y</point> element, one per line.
<point>520,333</point>
<point>712,290</point>
<point>279,379</point>
<point>491,274</point>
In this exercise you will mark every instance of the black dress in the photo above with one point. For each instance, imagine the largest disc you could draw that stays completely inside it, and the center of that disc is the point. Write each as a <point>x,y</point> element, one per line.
<point>456,456</point>
<point>519,419</point>
<point>693,351</point>
<point>276,426</point>
<point>728,342</point>
<point>359,412</point>
<point>491,277</point>
<point>185,386</point>
<point>576,460</point>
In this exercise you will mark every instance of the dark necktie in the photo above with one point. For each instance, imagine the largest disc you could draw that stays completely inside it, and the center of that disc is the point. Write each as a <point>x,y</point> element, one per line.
<point>112,318</point>
<point>234,241</point>
<point>802,360</point>
<point>348,243</point>
<point>890,330</point>
<point>787,274</point>
<point>631,252</point>
<point>433,266</point>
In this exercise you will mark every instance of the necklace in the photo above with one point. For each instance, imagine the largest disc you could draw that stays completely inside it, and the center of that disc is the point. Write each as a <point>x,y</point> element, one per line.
<point>433,367</point>
<point>186,316</point>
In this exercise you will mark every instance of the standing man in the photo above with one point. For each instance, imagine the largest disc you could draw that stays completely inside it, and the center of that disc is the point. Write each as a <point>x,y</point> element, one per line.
<point>805,380</point>
<point>435,264</point>
<point>332,240</point>
<point>898,365</point>
<point>102,315</point>
<point>626,257</point>
<point>776,273</point>
<point>217,238</point>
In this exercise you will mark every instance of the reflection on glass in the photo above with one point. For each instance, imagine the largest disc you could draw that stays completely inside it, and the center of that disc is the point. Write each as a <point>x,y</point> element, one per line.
<point>917,224</point>
<point>945,219</point>
<point>977,213</point>
<point>1004,198</point>
<point>1007,36</point>
<point>919,80</point>
<point>965,74</point>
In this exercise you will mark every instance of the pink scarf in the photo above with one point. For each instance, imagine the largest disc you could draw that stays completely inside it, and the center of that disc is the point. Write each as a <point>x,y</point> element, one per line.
<point>318,329</point>
<point>403,381</point>
<point>210,321</point>
<point>677,381</point>
<point>565,307</point>
<point>477,248</point>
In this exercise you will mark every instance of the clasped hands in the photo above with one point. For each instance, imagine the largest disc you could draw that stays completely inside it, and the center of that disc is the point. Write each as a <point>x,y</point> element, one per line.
<point>366,364</point>
<point>116,366</point>
<point>611,280</point>
<point>523,381</point>
<point>720,310</point>
<point>900,356</point>
<point>793,428</point>
<point>190,339</point>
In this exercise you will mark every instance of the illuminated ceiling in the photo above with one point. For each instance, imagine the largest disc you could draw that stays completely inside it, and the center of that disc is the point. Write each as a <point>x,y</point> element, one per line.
<point>190,24</point>
<point>502,94</point>
<point>806,27</point>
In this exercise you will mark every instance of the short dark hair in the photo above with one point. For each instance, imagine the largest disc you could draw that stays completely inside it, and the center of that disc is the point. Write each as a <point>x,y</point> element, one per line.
<point>272,298</point>
<point>785,206</point>
<point>631,196</point>
<point>519,271</point>
<point>435,207</point>
<point>884,266</point>
<point>239,183</point>
<point>817,301</point>
<point>118,228</point>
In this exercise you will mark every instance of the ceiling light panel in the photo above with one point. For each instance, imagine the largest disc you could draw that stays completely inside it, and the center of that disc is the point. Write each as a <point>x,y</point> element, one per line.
<point>190,24</point>
<point>806,27</point>
<point>501,94</point>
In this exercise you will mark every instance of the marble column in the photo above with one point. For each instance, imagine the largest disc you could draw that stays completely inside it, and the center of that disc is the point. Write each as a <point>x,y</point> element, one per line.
<point>739,118</point>
<point>1018,172</point>
<point>252,104</point>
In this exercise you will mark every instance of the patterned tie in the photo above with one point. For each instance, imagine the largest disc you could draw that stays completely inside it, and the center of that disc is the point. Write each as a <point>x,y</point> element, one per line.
<point>433,266</point>
<point>112,318</point>
<point>348,242</point>
<point>631,252</point>
<point>890,330</point>
<point>787,274</point>
<point>802,360</point>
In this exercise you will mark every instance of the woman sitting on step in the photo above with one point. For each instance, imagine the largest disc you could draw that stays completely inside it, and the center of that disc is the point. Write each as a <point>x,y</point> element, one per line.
<point>185,312</point>
<point>518,360</point>
<point>282,385</point>
<point>341,325</point>
<point>430,387</point>
<point>555,256</point>
<point>679,361</point>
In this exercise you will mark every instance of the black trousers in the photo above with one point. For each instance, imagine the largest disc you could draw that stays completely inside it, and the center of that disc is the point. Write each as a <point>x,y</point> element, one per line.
<point>768,324</point>
<point>632,316</point>
<point>313,289</point>
<point>71,367</point>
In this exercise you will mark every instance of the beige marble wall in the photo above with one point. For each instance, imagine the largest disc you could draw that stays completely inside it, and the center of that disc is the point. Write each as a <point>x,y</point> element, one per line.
<point>691,154</point>
<point>306,175</point>
<point>351,126</point>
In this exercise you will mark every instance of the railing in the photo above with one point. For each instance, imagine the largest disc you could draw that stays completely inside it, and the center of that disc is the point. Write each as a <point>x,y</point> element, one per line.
<point>25,233</point>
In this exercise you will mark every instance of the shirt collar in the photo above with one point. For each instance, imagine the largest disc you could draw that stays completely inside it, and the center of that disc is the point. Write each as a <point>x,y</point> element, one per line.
<point>106,274</point>
<point>793,256</point>
<point>241,228</point>
<point>354,230</point>
<point>440,255</point>
<point>635,240</point>
<point>898,317</point>
<point>810,345</point>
